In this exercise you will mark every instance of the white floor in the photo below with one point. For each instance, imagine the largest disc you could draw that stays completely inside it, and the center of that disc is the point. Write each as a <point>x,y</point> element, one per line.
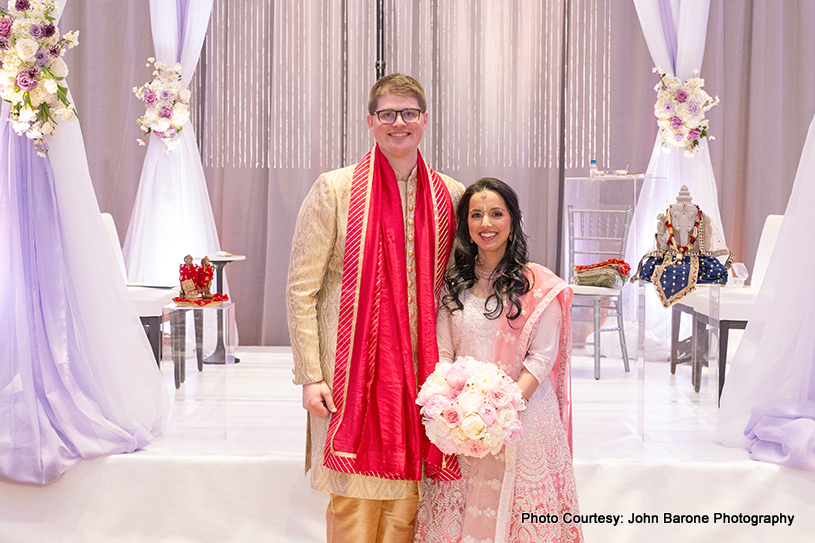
<point>229,467</point>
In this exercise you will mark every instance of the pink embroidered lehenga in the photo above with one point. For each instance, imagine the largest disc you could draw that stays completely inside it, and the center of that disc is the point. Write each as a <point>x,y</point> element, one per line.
<point>536,475</point>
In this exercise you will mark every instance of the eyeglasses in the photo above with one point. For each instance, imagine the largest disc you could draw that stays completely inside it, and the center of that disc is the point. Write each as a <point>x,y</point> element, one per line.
<point>388,116</point>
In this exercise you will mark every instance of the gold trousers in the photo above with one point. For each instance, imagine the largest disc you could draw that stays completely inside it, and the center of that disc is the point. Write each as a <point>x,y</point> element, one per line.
<point>356,520</point>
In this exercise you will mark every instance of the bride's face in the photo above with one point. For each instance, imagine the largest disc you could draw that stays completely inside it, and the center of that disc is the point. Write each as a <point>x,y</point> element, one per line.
<point>490,224</point>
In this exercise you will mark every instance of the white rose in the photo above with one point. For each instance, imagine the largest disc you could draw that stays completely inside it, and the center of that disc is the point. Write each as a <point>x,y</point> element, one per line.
<point>184,94</point>
<point>472,426</point>
<point>58,67</point>
<point>440,428</point>
<point>26,49</point>
<point>36,96</point>
<point>50,86</point>
<point>162,125</point>
<point>469,401</point>
<point>66,114</point>
<point>506,417</point>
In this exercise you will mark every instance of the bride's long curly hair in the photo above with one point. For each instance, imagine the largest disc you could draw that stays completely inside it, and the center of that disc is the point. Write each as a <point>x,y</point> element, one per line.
<point>511,282</point>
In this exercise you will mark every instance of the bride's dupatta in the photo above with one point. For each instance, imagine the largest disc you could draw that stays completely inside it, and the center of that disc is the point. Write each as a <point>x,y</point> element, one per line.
<point>509,350</point>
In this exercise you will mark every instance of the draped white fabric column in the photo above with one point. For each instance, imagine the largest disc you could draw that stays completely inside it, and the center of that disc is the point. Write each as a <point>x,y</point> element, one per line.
<point>172,215</point>
<point>675,31</point>
<point>771,381</point>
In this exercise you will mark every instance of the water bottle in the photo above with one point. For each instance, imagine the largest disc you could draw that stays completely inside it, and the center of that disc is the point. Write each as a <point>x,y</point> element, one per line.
<point>593,172</point>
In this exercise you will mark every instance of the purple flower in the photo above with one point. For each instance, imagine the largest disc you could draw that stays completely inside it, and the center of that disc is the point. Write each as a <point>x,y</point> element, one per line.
<point>55,51</point>
<point>50,30</point>
<point>693,108</point>
<point>3,44</point>
<point>676,123</point>
<point>22,5</point>
<point>165,95</point>
<point>41,56</point>
<point>693,135</point>
<point>5,26</point>
<point>150,97</point>
<point>669,107</point>
<point>166,113</point>
<point>37,31</point>
<point>26,81</point>
<point>171,132</point>
<point>681,96</point>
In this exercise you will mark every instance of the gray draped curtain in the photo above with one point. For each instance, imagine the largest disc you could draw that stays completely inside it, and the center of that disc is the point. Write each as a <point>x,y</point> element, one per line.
<point>280,95</point>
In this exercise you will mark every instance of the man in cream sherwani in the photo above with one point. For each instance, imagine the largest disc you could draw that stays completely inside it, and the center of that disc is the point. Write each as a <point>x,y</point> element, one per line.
<point>370,249</point>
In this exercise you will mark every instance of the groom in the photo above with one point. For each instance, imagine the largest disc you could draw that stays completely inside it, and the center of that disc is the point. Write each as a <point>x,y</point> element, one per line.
<point>370,248</point>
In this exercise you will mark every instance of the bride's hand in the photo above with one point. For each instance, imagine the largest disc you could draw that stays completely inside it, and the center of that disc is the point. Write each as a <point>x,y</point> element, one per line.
<point>527,383</point>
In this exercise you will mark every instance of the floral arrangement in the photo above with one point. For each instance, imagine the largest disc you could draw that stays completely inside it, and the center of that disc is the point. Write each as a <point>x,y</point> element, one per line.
<point>168,104</point>
<point>680,110</point>
<point>471,408</point>
<point>32,69</point>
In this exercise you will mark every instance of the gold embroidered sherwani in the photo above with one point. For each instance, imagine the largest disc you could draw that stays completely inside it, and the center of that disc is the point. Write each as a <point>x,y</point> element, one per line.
<point>313,303</point>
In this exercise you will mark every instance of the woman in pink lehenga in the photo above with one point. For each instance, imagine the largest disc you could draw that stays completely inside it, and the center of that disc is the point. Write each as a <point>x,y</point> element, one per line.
<point>500,308</point>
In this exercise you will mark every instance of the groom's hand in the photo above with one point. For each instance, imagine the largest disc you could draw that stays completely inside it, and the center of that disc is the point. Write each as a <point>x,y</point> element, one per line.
<point>317,399</point>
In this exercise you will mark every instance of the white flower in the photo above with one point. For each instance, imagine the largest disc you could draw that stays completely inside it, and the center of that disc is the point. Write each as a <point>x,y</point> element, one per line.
<point>46,128</point>
<point>58,67</point>
<point>162,125</point>
<point>27,115</point>
<point>50,86</point>
<point>26,49</point>
<point>66,114</point>
<point>184,95</point>
<point>71,39</point>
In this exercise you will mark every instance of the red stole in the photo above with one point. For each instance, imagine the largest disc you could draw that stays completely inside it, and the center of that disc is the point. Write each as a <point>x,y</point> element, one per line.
<point>377,428</point>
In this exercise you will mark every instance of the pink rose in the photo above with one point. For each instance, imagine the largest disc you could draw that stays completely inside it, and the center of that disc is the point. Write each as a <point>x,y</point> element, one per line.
<point>475,448</point>
<point>458,374</point>
<point>452,416</point>
<point>445,445</point>
<point>513,432</point>
<point>488,414</point>
<point>454,392</point>
<point>498,396</point>
<point>435,404</point>
<point>676,123</point>
<point>693,134</point>
<point>681,96</point>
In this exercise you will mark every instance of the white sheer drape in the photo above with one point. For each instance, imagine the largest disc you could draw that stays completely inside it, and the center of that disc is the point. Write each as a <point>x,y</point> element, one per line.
<point>686,22</point>
<point>172,215</point>
<point>675,31</point>
<point>773,366</point>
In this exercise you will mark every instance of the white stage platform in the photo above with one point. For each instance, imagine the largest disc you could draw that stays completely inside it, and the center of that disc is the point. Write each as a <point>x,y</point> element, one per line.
<point>230,469</point>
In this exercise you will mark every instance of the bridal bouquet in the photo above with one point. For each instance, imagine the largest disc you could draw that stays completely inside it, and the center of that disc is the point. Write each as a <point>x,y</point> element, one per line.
<point>680,111</point>
<point>32,69</point>
<point>471,408</point>
<point>168,104</point>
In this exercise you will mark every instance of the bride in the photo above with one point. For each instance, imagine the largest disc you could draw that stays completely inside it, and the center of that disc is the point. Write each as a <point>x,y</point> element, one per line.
<point>500,308</point>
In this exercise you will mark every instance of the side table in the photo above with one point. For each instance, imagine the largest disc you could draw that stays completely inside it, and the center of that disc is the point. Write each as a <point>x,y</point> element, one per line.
<point>176,317</point>
<point>219,263</point>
